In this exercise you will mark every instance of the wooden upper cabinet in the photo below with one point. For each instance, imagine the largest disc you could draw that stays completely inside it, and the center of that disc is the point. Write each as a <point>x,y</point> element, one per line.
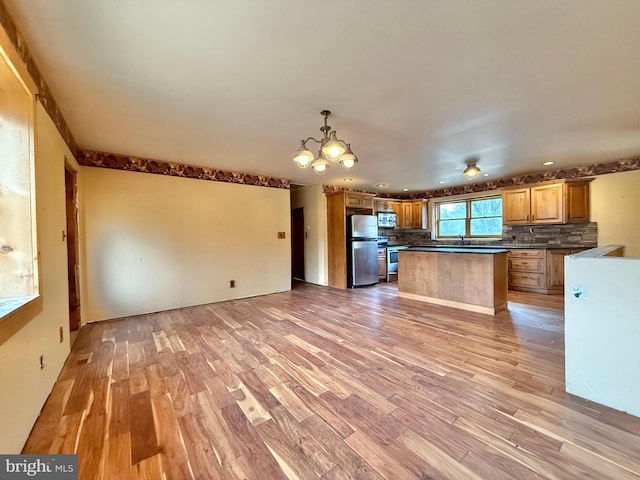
<point>565,201</point>
<point>577,200</point>
<point>410,214</point>
<point>397,207</point>
<point>359,200</point>
<point>406,215</point>
<point>516,206</point>
<point>547,204</point>
<point>384,205</point>
<point>418,214</point>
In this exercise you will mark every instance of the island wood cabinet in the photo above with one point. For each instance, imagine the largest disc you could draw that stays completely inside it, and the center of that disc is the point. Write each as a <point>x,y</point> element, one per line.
<point>565,201</point>
<point>538,270</point>
<point>339,205</point>
<point>469,279</point>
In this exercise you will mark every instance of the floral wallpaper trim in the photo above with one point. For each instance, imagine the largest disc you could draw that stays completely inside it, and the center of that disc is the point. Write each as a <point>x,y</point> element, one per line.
<point>138,164</point>
<point>44,94</point>
<point>616,166</point>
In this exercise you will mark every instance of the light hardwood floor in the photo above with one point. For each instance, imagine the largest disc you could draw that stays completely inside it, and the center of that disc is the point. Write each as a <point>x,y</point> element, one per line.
<point>332,384</point>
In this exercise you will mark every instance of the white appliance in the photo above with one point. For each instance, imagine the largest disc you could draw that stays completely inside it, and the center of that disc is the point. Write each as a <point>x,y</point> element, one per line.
<point>362,250</point>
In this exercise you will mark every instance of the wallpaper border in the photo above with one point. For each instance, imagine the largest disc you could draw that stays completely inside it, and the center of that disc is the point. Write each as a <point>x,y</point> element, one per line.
<point>145,165</point>
<point>615,166</point>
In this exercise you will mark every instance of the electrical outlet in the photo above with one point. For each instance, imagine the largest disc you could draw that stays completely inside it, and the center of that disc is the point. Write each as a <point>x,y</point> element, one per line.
<point>281,235</point>
<point>232,284</point>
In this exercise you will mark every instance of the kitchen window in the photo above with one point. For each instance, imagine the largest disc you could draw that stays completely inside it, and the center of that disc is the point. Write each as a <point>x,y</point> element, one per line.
<point>18,245</point>
<point>470,218</point>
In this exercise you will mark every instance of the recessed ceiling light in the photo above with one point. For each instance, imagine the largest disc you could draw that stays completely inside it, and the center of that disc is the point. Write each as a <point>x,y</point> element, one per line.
<point>405,189</point>
<point>442,182</point>
<point>347,179</point>
<point>485,174</point>
<point>380,185</point>
<point>550,162</point>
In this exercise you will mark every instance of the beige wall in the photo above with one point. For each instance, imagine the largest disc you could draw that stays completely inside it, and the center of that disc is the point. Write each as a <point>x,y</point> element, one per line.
<point>614,206</point>
<point>25,386</point>
<point>156,242</point>
<point>314,203</point>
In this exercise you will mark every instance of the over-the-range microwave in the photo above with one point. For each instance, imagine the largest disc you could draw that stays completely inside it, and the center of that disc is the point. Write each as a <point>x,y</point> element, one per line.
<point>386,220</point>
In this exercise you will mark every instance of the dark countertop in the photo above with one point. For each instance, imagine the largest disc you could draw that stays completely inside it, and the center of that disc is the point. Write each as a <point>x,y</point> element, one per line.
<point>504,246</point>
<point>461,249</point>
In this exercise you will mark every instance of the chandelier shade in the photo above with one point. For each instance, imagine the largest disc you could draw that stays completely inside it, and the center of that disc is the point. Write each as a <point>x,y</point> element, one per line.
<point>303,157</point>
<point>332,149</point>
<point>348,160</point>
<point>320,164</point>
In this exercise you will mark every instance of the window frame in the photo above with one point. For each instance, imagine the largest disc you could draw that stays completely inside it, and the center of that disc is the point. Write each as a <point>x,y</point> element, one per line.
<point>467,200</point>
<point>17,311</point>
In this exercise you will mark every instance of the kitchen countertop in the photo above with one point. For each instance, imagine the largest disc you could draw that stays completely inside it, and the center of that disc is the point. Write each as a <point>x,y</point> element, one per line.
<point>460,249</point>
<point>504,246</point>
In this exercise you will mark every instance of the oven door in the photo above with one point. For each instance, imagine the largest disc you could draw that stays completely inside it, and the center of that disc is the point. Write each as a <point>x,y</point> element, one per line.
<point>392,263</point>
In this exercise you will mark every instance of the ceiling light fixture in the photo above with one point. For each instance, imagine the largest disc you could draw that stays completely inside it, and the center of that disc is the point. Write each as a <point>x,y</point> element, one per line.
<point>332,149</point>
<point>547,163</point>
<point>472,169</point>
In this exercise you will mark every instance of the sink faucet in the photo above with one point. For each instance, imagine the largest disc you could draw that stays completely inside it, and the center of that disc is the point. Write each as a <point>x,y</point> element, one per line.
<point>461,242</point>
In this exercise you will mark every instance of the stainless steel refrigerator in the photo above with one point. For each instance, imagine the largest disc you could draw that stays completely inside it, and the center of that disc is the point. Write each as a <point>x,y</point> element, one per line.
<point>362,250</point>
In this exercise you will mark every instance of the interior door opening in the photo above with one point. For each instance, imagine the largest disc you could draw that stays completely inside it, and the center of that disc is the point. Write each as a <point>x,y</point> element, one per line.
<point>70,177</point>
<point>297,244</point>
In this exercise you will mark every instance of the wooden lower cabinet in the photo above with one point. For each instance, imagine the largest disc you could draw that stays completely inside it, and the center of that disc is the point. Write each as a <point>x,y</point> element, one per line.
<point>382,263</point>
<point>527,270</point>
<point>538,270</point>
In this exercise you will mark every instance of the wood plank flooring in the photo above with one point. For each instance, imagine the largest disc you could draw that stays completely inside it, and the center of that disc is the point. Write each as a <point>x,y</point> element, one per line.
<point>331,384</point>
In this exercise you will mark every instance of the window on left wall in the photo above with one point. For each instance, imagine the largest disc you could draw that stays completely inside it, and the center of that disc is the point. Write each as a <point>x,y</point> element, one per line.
<point>18,243</point>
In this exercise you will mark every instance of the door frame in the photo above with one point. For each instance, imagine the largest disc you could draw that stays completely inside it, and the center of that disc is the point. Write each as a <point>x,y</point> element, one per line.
<point>71,238</point>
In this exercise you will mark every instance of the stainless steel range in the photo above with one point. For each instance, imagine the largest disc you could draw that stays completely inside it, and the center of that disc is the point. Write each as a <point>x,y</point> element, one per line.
<point>392,260</point>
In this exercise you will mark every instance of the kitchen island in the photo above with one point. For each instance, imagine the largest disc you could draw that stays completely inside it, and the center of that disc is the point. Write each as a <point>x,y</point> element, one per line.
<point>468,278</point>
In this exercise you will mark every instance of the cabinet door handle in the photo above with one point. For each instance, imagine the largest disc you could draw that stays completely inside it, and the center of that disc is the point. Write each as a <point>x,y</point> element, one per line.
<point>527,217</point>
<point>533,218</point>
<point>525,263</point>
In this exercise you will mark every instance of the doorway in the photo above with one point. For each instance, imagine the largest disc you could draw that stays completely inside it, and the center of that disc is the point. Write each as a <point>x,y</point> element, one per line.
<point>70,180</point>
<point>297,244</point>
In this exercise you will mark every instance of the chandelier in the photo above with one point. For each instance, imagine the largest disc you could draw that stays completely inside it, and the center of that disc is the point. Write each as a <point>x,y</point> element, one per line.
<point>332,150</point>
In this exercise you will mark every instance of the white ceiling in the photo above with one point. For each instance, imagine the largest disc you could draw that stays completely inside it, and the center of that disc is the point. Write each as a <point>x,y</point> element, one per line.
<point>415,86</point>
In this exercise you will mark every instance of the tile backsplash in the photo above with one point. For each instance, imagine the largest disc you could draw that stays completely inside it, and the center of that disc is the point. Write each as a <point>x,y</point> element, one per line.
<point>579,234</point>
<point>583,234</point>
